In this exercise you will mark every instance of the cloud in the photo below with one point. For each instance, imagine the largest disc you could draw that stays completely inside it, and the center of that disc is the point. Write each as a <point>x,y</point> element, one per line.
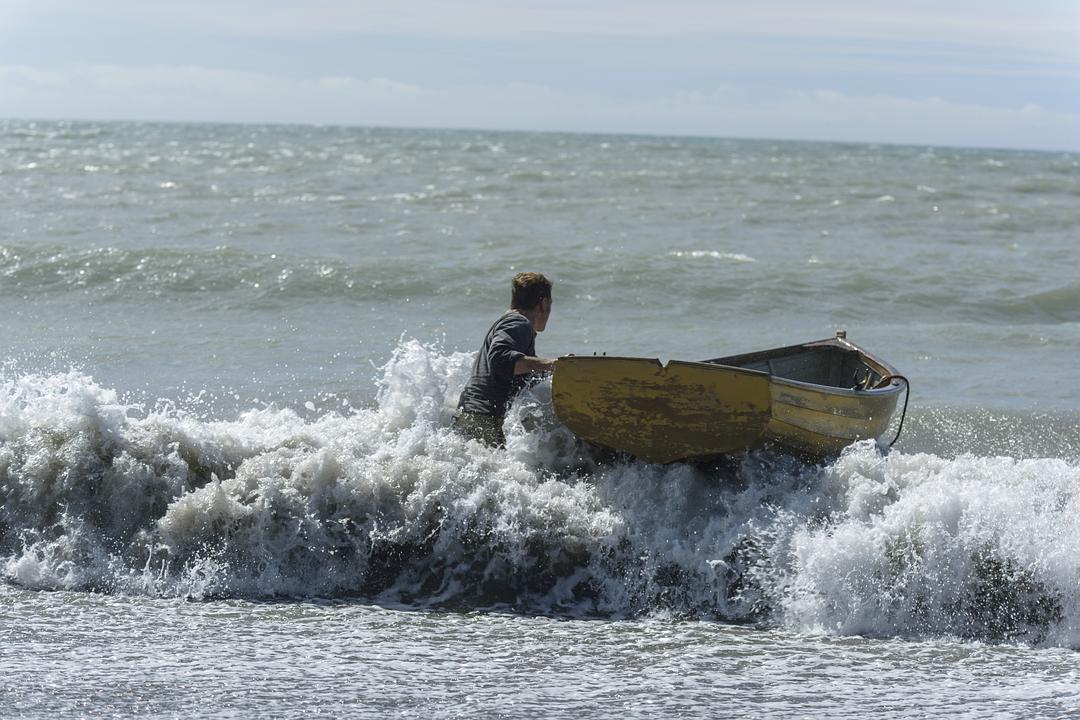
<point>955,73</point>
<point>194,93</point>
<point>189,90</point>
<point>931,121</point>
<point>1046,26</point>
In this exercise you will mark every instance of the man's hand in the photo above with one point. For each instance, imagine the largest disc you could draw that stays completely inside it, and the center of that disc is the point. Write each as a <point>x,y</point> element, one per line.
<point>533,364</point>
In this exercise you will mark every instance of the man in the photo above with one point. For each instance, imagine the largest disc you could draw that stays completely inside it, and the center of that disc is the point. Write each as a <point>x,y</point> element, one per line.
<point>507,358</point>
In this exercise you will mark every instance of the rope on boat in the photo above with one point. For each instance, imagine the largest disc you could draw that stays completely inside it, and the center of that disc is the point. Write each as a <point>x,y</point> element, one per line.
<point>907,396</point>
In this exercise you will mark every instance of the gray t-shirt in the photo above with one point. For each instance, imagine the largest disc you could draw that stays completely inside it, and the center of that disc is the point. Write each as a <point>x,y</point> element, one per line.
<point>493,383</point>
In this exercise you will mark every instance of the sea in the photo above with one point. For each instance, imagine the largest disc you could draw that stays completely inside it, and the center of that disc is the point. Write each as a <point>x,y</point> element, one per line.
<point>228,486</point>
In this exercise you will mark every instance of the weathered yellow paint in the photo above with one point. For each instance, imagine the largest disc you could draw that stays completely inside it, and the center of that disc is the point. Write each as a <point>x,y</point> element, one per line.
<point>830,419</point>
<point>690,410</point>
<point>681,411</point>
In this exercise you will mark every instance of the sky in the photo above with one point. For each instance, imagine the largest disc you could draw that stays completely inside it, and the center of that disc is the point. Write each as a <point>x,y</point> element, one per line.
<point>985,73</point>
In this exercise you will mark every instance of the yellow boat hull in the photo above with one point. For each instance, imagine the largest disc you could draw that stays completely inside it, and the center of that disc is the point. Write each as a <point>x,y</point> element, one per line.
<point>688,411</point>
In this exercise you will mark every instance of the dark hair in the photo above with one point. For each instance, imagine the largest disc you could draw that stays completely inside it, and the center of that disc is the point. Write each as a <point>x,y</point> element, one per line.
<point>528,289</point>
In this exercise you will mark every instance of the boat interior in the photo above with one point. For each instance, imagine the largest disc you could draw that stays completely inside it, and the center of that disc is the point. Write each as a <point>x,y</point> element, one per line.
<point>830,365</point>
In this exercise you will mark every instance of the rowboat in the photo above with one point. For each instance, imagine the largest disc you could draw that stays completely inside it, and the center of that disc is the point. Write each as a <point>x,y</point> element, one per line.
<point>812,399</point>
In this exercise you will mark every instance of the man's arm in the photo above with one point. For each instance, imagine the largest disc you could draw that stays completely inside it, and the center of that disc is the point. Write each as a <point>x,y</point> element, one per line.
<point>529,364</point>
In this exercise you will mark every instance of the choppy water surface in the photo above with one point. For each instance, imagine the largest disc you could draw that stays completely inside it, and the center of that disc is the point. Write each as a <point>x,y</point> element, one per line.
<point>232,356</point>
<point>297,659</point>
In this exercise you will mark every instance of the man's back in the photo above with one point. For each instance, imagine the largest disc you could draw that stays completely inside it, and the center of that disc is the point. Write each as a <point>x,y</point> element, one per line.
<point>493,382</point>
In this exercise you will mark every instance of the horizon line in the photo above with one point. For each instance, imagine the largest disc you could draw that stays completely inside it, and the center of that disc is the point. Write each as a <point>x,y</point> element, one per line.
<point>533,131</point>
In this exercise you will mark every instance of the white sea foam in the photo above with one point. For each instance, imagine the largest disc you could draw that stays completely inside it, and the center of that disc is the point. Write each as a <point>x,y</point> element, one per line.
<point>714,254</point>
<point>978,547</point>
<point>388,503</point>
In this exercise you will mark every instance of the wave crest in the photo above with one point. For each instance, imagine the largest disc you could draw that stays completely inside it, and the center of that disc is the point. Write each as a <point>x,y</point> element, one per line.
<point>386,503</point>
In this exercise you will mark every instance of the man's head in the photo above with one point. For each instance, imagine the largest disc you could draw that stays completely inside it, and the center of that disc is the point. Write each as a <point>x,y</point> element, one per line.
<point>531,294</point>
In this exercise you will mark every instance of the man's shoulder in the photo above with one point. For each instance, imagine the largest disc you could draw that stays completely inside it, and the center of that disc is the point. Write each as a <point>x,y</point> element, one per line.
<point>511,320</point>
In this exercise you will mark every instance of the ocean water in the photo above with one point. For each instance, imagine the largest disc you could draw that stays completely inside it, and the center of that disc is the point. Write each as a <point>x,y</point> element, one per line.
<point>227,484</point>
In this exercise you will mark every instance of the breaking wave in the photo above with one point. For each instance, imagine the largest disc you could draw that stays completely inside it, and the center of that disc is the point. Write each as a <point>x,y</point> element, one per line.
<point>387,504</point>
